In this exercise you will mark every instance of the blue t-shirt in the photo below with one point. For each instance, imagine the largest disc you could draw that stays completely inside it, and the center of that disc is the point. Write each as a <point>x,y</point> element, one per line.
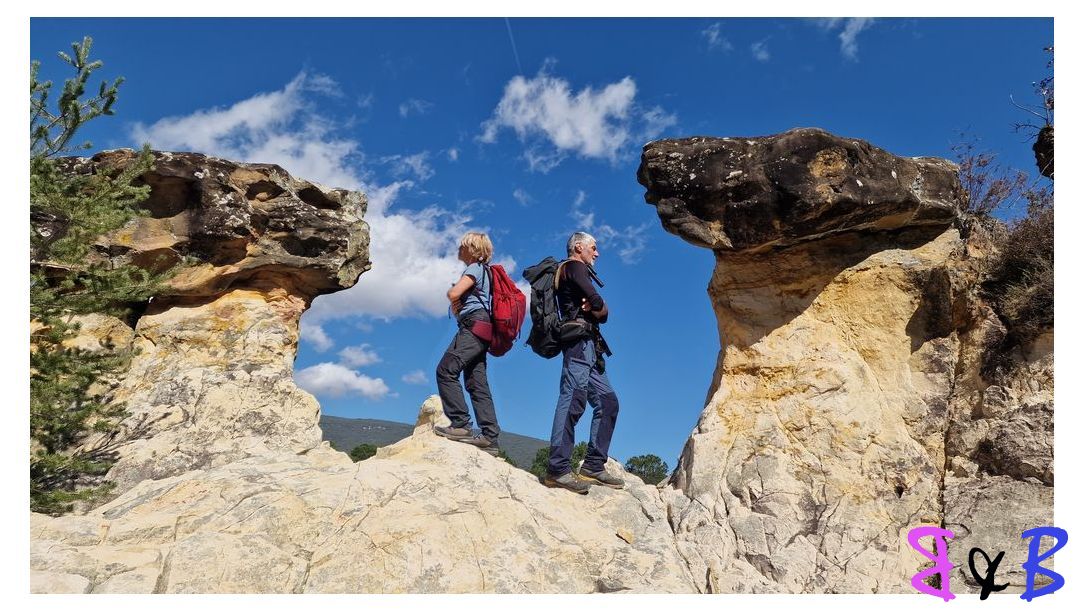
<point>478,296</point>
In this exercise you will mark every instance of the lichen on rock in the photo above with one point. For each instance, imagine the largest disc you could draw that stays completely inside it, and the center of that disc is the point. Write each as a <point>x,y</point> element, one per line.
<point>848,398</point>
<point>853,399</point>
<point>213,377</point>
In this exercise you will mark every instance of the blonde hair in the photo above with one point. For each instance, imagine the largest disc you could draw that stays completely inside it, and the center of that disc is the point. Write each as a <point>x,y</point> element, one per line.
<point>478,246</point>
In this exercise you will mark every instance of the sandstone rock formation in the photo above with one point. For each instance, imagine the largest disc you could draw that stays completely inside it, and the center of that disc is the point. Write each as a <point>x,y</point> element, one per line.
<point>213,380</point>
<point>747,194</point>
<point>856,395</point>
<point>425,515</point>
<point>849,402</point>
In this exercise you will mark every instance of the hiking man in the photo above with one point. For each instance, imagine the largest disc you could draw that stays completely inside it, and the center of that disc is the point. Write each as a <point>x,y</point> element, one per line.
<point>583,378</point>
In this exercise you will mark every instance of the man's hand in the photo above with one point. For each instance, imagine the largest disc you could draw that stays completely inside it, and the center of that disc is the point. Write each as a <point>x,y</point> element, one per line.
<point>600,315</point>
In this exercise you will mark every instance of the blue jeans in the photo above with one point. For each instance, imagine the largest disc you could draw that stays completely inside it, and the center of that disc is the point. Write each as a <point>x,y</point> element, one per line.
<point>582,383</point>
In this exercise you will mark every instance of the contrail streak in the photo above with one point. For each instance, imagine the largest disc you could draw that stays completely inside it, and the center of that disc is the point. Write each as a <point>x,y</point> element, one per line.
<point>513,41</point>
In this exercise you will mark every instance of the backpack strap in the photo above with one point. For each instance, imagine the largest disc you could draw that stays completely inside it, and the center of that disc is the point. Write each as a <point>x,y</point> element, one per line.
<point>486,270</point>
<point>557,273</point>
<point>557,284</point>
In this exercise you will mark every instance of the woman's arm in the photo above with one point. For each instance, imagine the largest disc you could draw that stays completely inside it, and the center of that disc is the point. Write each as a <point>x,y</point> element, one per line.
<point>456,293</point>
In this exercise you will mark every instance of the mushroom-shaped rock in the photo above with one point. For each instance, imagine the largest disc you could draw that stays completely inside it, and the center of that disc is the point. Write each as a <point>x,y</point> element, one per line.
<point>750,193</point>
<point>235,225</point>
<point>846,403</point>
<point>212,380</point>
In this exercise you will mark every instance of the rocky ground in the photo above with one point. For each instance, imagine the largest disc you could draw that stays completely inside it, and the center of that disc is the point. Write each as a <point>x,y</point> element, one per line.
<point>852,400</point>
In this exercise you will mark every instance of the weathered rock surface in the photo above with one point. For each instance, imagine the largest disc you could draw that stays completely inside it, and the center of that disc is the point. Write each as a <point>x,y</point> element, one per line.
<point>985,512</point>
<point>854,398</point>
<point>213,380</point>
<point>425,515</point>
<point>237,225</point>
<point>749,193</point>
<point>849,402</point>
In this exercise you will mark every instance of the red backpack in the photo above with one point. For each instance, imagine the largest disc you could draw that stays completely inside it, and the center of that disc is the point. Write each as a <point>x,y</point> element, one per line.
<point>507,308</point>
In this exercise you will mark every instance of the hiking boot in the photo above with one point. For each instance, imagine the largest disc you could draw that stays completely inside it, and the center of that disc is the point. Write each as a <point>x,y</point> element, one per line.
<point>452,433</point>
<point>566,481</point>
<point>483,443</point>
<point>601,478</point>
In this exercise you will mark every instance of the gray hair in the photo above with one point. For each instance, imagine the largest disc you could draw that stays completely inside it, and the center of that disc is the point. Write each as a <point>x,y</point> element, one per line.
<point>578,238</point>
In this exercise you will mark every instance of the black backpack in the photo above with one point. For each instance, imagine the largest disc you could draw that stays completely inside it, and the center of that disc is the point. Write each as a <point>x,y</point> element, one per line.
<point>544,337</point>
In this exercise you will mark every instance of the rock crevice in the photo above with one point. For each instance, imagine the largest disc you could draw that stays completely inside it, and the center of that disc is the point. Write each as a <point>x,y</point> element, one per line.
<point>212,381</point>
<point>850,402</point>
<point>843,408</point>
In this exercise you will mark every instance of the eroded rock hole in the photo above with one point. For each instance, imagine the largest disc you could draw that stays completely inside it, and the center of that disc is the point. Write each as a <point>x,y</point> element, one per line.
<point>312,246</point>
<point>170,195</point>
<point>315,197</point>
<point>263,190</point>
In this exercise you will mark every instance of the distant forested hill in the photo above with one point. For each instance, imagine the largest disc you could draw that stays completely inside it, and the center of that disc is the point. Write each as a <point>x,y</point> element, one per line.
<point>344,434</point>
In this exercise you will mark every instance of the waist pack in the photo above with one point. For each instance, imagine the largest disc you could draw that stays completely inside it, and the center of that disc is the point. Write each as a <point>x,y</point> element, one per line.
<point>573,330</point>
<point>483,330</point>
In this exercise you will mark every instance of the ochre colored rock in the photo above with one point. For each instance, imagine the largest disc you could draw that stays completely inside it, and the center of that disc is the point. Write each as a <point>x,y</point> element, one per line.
<point>851,400</point>
<point>237,225</point>
<point>859,392</point>
<point>213,382</point>
<point>213,377</point>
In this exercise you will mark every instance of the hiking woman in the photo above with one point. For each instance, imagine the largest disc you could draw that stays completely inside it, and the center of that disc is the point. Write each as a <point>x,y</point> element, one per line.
<point>469,299</point>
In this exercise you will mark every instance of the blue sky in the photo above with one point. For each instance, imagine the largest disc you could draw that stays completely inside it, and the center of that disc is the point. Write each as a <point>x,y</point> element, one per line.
<point>454,124</point>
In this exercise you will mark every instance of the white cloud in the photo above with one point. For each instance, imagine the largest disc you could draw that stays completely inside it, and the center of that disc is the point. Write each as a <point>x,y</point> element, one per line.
<point>583,219</point>
<point>453,154</point>
<point>479,205</point>
<point>413,252</point>
<point>381,197</point>
<point>279,127</point>
<point>849,33</point>
<point>324,84</point>
<point>521,196</point>
<point>629,242</point>
<point>406,165</point>
<point>760,51</point>
<point>553,122</point>
<point>715,39</point>
<point>590,123</point>
<point>541,161</point>
<point>334,380</point>
<point>656,120</point>
<point>414,106</point>
<point>416,377</point>
<point>315,334</point>
<point>358,356</point>
<point>848,46</point>
<point>366,101</point>
<point>414,263</point>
